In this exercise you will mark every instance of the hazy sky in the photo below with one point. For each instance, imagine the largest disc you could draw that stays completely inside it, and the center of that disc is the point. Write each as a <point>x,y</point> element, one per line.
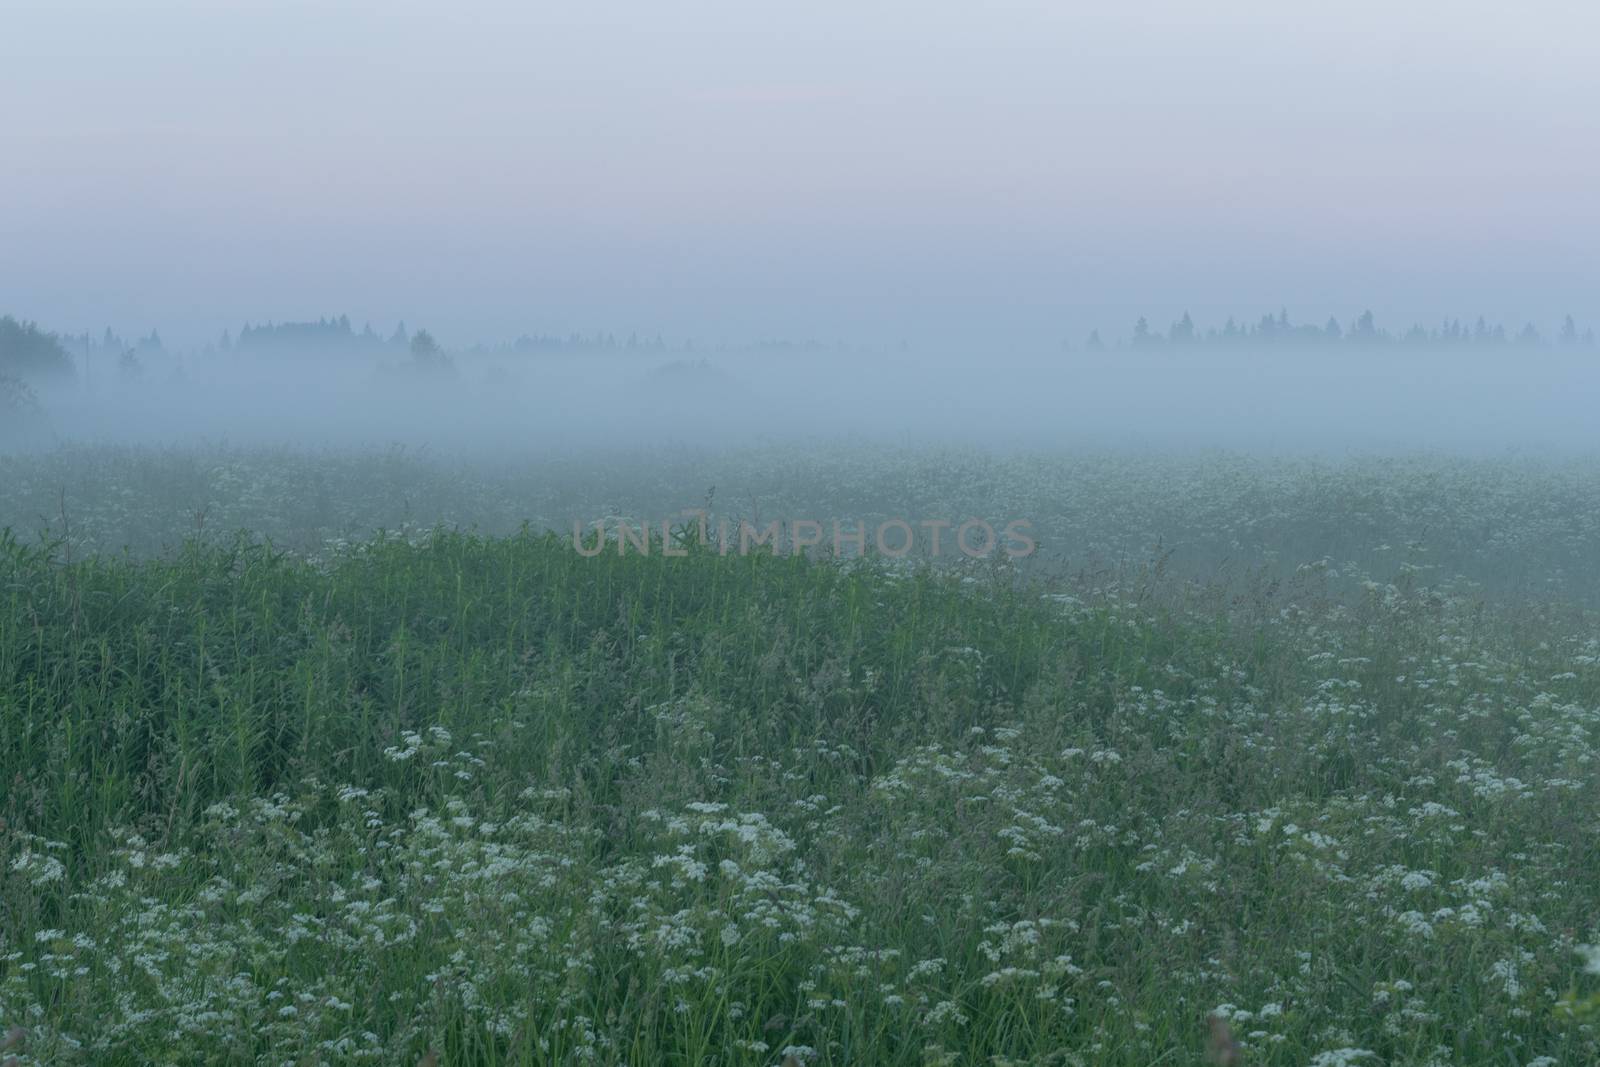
<point>868,170</point>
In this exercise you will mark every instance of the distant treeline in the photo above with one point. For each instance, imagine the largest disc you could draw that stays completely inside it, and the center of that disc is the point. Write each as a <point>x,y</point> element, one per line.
<point>312,336</point>
<point>337,334</point>
<point>1277,330</point>
<point>30,356</point>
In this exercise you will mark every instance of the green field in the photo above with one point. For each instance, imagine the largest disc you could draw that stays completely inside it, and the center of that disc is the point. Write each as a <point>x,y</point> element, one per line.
<point>1306,748</point>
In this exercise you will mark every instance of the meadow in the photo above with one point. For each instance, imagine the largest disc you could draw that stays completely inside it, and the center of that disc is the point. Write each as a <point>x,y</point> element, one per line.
<point>326,757</point>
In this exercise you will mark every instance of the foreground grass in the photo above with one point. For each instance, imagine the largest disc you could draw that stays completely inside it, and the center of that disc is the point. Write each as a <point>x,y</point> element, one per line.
<point>489,798</point>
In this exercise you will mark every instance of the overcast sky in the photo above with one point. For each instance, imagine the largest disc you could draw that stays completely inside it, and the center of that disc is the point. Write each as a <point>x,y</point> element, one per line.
<point>867,171</point>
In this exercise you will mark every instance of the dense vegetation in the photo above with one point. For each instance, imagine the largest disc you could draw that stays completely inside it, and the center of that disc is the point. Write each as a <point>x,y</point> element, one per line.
<point>1511,528</point>
<point>29,354</point>
<point>482,796</point>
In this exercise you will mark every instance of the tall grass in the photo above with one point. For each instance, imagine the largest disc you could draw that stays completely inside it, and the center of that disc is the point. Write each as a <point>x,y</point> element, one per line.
<point>487,799</point>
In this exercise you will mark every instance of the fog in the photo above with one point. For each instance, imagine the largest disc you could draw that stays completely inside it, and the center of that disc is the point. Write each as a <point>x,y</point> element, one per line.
<point>712,170</point>
<point>1275,397</point>
<point>896,223</point>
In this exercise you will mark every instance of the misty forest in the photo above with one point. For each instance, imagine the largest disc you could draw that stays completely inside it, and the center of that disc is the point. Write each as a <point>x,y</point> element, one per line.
<point>707,534</point>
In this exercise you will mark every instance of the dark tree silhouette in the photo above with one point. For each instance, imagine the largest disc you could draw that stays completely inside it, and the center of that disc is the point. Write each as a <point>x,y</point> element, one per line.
<point>427,357</point>
<point>1276,330</point>
<point>1182,331</point>
<point>1141,333</point>
<point>1364,329</point>
<point>424,348</point>
<point>28,354</point>
<point>129,368</point>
